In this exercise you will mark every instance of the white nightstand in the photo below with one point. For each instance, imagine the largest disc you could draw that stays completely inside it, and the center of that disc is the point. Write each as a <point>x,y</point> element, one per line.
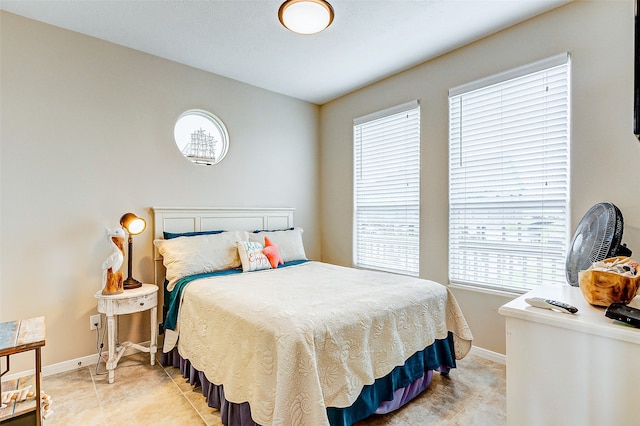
<point>572,369</point>
<point>129,302</point>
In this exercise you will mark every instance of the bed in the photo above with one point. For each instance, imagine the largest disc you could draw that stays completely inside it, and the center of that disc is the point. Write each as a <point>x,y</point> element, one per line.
<point>274,338</point>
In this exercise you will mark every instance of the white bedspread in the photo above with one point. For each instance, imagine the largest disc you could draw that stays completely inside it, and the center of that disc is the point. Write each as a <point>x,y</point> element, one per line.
<point>296,340</point>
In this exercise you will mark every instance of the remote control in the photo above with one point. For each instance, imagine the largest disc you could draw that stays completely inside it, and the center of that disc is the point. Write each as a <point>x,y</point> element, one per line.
<point>540,302</point>
<point>624,313</point>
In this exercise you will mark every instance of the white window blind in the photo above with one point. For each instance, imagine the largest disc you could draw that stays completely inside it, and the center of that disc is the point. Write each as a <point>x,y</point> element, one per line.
<point>509,178</point>
<point>387,190</point>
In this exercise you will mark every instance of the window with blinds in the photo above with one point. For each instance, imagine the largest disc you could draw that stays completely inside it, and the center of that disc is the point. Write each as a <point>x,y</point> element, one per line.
<point>509,178</point>
<point>387,190</point>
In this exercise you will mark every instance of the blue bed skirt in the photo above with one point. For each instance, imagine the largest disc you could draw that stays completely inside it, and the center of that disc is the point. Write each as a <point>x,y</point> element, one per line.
<point>385,394</point>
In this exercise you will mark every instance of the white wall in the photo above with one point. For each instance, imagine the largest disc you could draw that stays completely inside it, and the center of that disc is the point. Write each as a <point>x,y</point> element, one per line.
<point>604,152</point>
<point>87,134</point>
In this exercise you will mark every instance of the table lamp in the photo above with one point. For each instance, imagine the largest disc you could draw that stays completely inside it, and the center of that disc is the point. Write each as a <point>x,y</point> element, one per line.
<point>134,225</point>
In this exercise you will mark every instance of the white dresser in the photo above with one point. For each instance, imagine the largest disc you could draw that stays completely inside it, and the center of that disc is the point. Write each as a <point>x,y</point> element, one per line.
<point>563,369</point>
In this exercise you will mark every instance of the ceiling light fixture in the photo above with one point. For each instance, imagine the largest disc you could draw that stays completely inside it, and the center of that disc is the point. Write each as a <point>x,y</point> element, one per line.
<point>305,16</point>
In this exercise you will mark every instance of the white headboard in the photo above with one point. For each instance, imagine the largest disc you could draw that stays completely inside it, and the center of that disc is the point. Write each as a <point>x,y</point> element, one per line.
<point>194,219</point>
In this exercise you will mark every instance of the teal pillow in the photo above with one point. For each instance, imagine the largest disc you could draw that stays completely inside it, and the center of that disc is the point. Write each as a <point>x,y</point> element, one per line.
<point>170,235</point>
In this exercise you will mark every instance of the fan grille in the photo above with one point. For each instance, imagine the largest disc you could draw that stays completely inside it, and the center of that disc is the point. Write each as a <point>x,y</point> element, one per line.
<point>597,237</point>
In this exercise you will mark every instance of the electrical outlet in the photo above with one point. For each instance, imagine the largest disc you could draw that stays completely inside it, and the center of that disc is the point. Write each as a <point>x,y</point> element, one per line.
<point>95,321</point>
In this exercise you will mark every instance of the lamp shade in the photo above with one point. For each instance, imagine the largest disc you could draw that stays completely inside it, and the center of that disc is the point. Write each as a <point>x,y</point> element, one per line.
<point>133,224</point>
<point>306,16</point>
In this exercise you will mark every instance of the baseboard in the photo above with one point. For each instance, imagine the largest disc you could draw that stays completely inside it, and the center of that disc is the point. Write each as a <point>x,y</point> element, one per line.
<point>490,355</point>
<point>72,364</point>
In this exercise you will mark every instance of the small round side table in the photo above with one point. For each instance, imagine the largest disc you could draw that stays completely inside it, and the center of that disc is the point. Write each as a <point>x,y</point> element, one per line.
<point>130,301</point>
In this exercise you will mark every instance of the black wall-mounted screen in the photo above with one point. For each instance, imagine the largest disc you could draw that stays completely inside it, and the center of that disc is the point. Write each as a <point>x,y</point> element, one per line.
<point>636,71</point>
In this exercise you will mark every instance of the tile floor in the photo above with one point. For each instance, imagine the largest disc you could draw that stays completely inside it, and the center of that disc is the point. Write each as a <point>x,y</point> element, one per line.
<point>473,394</point>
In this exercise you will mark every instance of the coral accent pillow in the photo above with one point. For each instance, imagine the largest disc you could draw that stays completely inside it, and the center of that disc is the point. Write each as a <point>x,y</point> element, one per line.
<point>273,253</point>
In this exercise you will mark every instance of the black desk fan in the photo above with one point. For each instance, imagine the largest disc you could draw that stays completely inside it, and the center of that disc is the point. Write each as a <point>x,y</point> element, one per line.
<point>598,237</point>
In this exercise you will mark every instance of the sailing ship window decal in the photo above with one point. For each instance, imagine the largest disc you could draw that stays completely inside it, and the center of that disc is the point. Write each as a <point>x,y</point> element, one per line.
<point>201,137</point>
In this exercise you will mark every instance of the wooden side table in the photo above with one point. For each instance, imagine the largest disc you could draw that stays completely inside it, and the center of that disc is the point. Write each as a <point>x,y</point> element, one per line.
<point>22,336</point>
<point>129,302</point>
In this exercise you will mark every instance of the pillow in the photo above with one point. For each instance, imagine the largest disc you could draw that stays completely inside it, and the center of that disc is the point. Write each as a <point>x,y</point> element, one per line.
<point>289,243</point>
<point>184,256</point>
<point>272,253</point>
<point>252,257</point>
<point>171,235</point>
<point>271,230</point>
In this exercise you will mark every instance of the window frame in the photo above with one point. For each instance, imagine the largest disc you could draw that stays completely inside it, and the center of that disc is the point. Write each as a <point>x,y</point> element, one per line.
<point>204,128</point>
<point>379,242</point>
<point>551,236</point>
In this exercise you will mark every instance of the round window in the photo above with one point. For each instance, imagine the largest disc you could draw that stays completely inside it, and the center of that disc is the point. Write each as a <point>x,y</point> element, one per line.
<point>201,137</point>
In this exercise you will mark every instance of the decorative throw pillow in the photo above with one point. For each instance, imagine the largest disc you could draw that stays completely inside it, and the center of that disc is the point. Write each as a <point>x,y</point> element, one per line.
<point>184,256</point>
<point>289,243</point>
<point>252,257</point>
<point>272,253</point>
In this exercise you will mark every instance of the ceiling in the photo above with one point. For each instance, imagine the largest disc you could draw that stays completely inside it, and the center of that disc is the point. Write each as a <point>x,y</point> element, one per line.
<point>243,39</point>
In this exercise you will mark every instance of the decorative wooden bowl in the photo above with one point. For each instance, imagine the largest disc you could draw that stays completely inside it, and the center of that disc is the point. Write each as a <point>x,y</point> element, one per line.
<point>603,288</point>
